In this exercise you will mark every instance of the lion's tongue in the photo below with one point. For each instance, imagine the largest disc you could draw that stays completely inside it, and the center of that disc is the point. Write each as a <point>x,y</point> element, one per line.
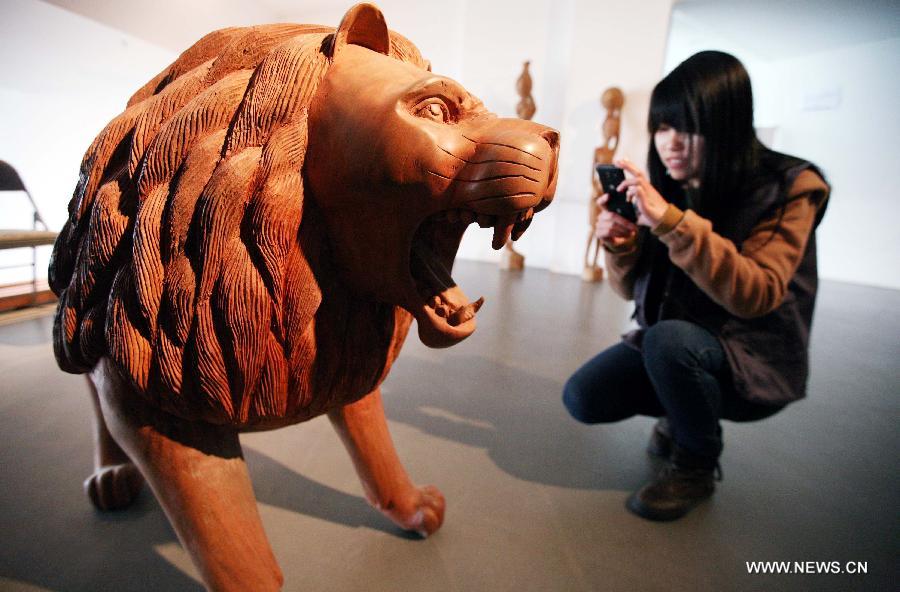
<point>429,269</point>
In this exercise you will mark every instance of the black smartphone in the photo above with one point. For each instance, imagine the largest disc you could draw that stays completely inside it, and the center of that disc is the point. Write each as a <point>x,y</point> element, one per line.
<point>610,178</point>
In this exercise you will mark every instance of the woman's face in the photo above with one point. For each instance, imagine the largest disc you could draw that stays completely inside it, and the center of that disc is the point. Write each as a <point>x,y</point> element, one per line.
<point>680,152</point>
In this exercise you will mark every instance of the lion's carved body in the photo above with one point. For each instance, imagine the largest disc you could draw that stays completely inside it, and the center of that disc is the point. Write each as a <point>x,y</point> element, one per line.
<point>181,260</point>
<point>247,246</point>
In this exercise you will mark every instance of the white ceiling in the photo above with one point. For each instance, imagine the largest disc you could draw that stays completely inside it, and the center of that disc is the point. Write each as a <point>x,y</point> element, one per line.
<point>177,24</point>
<point>777,29</point>
<point>768,28</point>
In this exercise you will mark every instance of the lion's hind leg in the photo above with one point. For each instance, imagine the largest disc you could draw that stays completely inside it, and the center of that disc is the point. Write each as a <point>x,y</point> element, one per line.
<point>115,482</point>
<point>364,431</point>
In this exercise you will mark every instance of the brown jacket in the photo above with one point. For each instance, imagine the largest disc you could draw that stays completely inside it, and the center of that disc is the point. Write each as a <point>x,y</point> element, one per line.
<point>752,296</point>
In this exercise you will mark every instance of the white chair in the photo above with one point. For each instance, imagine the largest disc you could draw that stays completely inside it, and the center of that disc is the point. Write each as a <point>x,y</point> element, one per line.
<point>16,238</point>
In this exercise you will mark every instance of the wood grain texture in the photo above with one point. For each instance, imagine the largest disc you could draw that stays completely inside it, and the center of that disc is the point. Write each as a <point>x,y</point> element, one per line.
<point>183,258</point>
<point>247,247</point>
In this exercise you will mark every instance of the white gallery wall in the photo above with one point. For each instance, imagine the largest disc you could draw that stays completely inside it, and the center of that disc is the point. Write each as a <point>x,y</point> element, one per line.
<point>830,97</point>
<point>578,48</point>
<point>67,75</point>
<point>841,112</point>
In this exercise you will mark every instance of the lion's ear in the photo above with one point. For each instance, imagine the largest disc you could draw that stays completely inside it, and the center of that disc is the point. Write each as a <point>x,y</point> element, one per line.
<point>362,25</point>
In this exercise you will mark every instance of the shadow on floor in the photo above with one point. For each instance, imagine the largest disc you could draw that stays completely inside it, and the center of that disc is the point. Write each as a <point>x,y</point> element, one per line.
<point>280,486</point>
<point>519,419</point>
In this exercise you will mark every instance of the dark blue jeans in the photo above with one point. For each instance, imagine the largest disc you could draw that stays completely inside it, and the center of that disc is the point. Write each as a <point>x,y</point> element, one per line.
<point>681,373</point>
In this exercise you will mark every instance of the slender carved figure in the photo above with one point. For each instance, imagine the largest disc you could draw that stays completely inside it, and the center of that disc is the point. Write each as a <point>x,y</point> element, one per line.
<point>525,108</point>
<point>612,100</point>
<point>510,258</point>
<point>247,247</point>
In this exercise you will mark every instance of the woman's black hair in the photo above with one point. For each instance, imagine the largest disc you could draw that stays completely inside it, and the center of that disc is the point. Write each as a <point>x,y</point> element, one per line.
<point>708,94</point>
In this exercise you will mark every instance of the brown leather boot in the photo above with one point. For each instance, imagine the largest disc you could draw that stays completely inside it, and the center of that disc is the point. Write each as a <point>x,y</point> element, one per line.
<point>682,484</point>
<point>660,444</point>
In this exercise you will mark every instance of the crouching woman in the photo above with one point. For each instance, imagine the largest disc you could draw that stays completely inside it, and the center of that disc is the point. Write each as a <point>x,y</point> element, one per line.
<point>721,265</point>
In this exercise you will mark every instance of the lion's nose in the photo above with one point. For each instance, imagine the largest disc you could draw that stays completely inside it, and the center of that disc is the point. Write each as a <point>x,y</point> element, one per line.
<point>552,137</point>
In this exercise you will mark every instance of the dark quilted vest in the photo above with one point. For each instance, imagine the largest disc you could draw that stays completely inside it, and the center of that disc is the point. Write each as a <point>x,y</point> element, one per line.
<point>768,355</point>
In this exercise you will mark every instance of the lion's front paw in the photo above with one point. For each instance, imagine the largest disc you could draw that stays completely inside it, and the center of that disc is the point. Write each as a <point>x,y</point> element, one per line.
<point>114,487</point>
<point>421,510</point>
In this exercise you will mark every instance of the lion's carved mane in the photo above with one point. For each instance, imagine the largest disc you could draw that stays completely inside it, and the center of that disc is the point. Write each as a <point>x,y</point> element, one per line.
<point>185,258</point>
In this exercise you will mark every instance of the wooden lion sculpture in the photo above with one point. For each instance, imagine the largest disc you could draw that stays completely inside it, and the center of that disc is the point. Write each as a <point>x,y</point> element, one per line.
<point>246,248</point>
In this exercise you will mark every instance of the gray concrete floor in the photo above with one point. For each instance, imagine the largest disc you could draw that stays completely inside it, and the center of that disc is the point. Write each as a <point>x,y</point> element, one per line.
<point>535,500</point>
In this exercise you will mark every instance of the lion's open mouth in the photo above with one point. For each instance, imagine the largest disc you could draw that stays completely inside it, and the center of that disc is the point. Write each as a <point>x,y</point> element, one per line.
<point>444,313</point>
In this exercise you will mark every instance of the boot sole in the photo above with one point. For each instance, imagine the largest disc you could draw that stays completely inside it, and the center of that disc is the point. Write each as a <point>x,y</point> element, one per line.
<point>635,505</point>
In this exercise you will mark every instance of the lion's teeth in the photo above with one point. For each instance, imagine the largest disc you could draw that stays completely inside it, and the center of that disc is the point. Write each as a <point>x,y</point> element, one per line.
<point>522,223</point>
<point>502,233</point>
<point>503,229</point>
<point>520,228</point>
<point>465,313</point>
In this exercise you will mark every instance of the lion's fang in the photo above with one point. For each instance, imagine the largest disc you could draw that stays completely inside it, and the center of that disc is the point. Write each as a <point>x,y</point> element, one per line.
<point>465,313</point>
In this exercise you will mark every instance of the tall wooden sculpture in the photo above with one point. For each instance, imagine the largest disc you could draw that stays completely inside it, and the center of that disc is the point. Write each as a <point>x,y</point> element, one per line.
<point>510,258</point>
<point>612,100</point>
<point>247,247</point>
<point>525,108</point>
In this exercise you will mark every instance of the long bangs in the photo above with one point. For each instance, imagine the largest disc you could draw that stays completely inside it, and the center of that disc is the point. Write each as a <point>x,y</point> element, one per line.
<point>671,105</point>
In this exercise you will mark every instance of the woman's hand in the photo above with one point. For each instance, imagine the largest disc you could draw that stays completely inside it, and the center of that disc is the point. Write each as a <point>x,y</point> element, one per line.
<point>611,228</point>
<point>649,203</point>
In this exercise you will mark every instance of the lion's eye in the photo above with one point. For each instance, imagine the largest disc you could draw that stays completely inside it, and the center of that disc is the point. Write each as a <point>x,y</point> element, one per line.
<point>433,110</point>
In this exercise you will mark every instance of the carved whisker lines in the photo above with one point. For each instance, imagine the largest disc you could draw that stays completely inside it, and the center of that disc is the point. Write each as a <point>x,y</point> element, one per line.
<point>502,146</point>
<point>507,196</point>
<point>489,161</point>
<point>484,180</point>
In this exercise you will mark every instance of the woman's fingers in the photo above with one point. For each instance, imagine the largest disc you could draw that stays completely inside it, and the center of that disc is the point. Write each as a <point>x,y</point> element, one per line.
<point>650,204</point>
<point>612,225</point>
<point>624,163</point>
<point>624,227</point>
<point>637,178</point>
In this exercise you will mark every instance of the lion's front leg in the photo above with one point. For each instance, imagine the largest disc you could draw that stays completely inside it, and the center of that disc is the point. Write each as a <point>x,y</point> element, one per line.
<point>198,474</point>
<point>364,431</point>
